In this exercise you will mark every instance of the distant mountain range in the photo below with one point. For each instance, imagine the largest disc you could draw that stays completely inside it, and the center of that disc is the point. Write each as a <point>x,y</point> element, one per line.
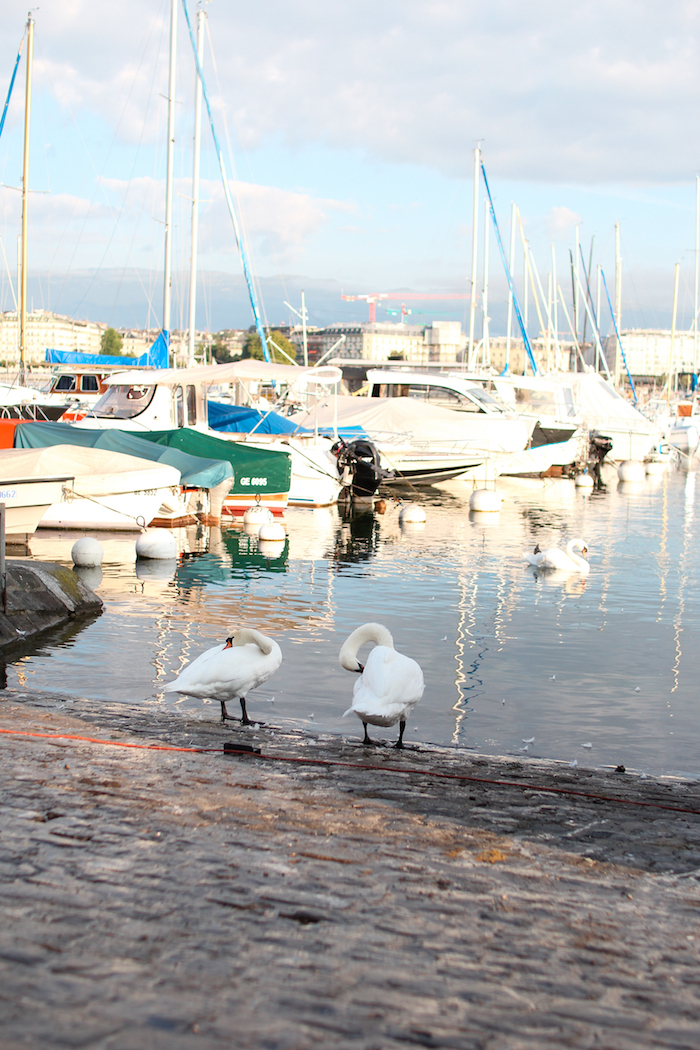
<point>121,299</point>
<point>133,299</point>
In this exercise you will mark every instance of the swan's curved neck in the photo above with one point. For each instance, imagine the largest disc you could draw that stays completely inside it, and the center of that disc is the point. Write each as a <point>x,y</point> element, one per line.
<point>571,551</point>
<point>247,634</point>
<point>369,632</point>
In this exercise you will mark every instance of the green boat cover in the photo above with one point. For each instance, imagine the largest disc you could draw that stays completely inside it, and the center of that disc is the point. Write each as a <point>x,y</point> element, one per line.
<point>254,469</point>
<point>195,471</point>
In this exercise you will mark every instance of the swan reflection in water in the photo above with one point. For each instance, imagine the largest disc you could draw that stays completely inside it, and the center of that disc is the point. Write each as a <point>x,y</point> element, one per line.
<point>572,583</point>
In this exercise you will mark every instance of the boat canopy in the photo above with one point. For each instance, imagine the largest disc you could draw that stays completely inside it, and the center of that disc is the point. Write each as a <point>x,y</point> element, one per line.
<point>248,369</point>
<point>239,419</point>
<point>255,469</point>
<point>97,472</point>
<point>195,471</point>
<point>409,420</point>
<point>157,356</point>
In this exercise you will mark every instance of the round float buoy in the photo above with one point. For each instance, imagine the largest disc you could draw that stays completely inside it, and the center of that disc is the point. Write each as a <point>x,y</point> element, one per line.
<point>655,468</point>
<point>257,515</point>
<point>157,544</point>
<point>412,514</point>
<point>584,481</point>
<point>87,552</point>
<point>631,470</point>
<point>485,500</point>
<point>272,531</point>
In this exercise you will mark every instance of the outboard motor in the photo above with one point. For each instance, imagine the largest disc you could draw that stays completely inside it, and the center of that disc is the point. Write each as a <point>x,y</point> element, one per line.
<point>359,464</point>
<point>598,447</point>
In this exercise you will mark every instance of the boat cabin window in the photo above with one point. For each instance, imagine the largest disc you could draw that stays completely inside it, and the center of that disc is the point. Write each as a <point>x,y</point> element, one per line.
<point>542,400</point>
<point>179,400</point>
<point>569,404</point>
<point>434,395</point>
<point>124,402</point>
<point>191,406</point>
<point>89,384</point>
<point>66,383</point>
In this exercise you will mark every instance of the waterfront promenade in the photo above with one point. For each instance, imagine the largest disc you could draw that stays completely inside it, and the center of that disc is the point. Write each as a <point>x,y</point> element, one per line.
<point>190,899</point>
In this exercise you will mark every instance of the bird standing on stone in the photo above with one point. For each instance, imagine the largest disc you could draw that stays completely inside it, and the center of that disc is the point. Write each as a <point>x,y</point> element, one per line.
<point>390,684</point>
<point>230,671</point>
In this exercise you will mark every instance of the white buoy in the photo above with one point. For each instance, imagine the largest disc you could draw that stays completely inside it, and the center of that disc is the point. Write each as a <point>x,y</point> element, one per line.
<point>485,500</point>
<point>631,470</point>
<point>157,544</point>
<point>411,514</point>
<point>655,468</point>
<point>87,552</point>
<point>272,531</point>
<point>257,515</point>
<point>584,481</point>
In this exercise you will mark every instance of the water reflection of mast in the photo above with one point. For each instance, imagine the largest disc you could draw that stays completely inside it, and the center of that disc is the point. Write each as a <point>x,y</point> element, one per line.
<point>678,618</point>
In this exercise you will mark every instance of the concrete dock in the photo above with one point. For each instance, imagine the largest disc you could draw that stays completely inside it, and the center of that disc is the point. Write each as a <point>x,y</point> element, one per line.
<point>359,898</point>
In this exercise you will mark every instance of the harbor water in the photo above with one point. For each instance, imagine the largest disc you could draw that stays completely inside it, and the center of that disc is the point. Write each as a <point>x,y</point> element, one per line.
<point>599,670</point>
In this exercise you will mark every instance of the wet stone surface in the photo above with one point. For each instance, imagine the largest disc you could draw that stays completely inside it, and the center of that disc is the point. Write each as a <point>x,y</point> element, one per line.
<point>183,899</point>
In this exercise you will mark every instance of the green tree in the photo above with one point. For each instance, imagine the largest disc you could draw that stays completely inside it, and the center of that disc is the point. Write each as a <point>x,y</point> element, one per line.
<point>252,347</point>
<point>111,342</point>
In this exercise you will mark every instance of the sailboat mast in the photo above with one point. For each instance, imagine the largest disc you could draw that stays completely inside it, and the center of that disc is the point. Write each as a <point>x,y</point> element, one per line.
<point>167,268</point>
<point>485,340</point>
<point>25,201</point>
<point>475,246</point>
<point>195,187</point>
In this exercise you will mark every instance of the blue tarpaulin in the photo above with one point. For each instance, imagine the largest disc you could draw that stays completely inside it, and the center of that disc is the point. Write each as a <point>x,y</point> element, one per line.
<point>240,419</point>
<point>195,472</point>
<point>157,356</point>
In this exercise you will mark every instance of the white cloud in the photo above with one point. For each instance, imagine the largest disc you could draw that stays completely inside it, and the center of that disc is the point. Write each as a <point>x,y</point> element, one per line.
<point>560,222</point>
<point>596,92</point>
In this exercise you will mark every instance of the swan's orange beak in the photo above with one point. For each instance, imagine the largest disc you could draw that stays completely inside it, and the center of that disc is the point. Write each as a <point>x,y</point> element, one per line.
<point>585,550</point>
<point>229,643</point>
<point>360,667</point>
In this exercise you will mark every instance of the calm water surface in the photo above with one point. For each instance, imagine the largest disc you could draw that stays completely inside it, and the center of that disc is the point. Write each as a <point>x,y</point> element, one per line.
<point>602,670</point>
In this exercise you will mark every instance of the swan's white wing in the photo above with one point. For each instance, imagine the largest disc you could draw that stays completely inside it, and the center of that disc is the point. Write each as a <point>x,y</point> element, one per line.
<point>227,673</point>
<point>533,559</point>
<point>389,687</point>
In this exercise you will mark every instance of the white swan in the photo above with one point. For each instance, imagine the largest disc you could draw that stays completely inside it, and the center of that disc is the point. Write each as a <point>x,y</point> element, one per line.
<point>390,684</point>
<point>230,671</point>
<point>555,558</point>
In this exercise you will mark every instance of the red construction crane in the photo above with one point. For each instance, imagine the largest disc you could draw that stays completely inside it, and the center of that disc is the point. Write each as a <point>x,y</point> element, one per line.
<point>373,298</point>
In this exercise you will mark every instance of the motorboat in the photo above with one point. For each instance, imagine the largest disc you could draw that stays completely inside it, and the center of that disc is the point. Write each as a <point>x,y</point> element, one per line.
<point>556,440</point>
<point>193,489</point>
<point>28,494</point>
<point>679,421</point>
<point>105,490</point>
<point>174,399</point>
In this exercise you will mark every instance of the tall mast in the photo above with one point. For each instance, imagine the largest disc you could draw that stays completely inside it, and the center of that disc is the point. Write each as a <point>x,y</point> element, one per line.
<point>697,271</point>
<point>485,342</point>
<point>25,200</point>
<point>303,330</point>
<point>167,274</point>
<point>475,245</point>
<point>511,263</point>
<point>195,187</point>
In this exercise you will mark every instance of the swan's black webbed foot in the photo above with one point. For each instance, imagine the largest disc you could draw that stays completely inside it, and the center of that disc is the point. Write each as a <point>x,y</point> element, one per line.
<point>225,716</point>
<point>367,741</point>
<point>399,743</point>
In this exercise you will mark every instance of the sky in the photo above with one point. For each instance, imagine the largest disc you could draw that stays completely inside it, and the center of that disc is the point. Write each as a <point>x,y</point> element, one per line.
<point>348,134</point>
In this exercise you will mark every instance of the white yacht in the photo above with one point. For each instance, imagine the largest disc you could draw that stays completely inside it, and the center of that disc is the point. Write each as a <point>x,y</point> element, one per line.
<point>169,399</point>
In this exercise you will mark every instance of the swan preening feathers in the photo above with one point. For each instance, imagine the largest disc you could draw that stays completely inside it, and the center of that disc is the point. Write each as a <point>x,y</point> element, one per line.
<point>564,560</point>
<point>390,684</point>
<point>230,671</point>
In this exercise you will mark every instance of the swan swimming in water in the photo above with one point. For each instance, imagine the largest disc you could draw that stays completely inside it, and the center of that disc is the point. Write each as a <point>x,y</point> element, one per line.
<point>390,684</point>
<point>230,671</point>
<point>555,558</point>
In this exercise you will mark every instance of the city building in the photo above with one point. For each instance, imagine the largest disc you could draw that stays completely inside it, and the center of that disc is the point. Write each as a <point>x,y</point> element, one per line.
<point>442,341</point>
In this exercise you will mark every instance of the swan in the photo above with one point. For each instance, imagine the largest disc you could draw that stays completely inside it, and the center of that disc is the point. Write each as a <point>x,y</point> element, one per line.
<point>230,671</point>
<point>555,558</point>
<point>390,684</point>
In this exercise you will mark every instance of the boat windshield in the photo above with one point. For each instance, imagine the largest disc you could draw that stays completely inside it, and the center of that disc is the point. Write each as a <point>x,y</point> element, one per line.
<point>124,402</point>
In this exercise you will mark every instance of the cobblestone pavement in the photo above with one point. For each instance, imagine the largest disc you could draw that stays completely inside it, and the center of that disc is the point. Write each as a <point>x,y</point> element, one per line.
<point>170,899</point>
